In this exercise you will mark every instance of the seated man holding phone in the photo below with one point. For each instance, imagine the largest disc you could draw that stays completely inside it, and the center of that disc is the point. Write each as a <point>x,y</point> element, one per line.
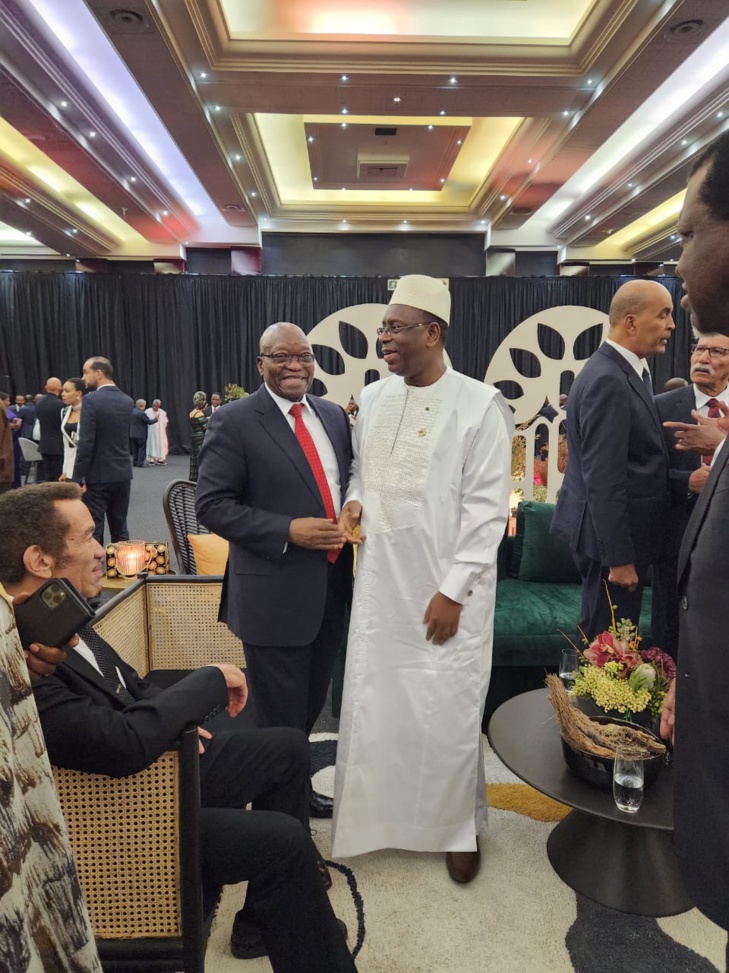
<point>99,716</point>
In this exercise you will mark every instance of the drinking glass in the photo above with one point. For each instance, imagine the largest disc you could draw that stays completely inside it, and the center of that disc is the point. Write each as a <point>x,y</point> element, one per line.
<point>628,780</point>
<point>569,668</point>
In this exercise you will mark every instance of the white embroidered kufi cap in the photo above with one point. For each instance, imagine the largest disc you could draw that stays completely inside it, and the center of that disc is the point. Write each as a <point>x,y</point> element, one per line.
<point>425,293</point>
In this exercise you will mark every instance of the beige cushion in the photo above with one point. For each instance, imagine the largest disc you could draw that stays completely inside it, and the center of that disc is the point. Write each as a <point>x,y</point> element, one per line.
<point>211,553</point>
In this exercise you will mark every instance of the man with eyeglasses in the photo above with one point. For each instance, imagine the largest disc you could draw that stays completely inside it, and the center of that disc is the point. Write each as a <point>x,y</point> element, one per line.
<point>430,482</point>
<point>273,473</point>
<point>689,417</point>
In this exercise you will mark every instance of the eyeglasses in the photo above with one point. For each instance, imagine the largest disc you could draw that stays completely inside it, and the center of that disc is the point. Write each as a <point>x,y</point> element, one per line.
<point>280,359</point>
<point>713,352</point>
<point>397,328</point>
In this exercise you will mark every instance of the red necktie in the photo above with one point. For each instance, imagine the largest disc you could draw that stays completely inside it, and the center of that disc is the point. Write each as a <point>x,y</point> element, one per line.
<point>312,456</point>
<point>713,413</point>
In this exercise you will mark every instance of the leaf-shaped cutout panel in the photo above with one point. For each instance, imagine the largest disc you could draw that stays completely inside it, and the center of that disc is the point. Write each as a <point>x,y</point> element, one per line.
<point>378,349</point>
<point>318,388</point>
<point>509,389</point>
<point>551,342</point>
<point>565,382</point>
<point>587,342</point>
<point>353,341</point>
<point>525,362</point>
<point>329,359</point>
<point>371,375</point>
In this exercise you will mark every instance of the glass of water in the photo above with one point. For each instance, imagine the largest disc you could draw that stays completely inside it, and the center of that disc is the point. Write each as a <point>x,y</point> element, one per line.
<point>569,668</point>
<point>628,781</point>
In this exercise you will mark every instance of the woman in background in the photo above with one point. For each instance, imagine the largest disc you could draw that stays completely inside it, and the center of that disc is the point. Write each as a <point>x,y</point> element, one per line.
<point>71,393</point>
<point>198,426</point>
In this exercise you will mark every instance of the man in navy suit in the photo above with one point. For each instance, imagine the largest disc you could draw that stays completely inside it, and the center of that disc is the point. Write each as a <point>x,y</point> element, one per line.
<point>690,447</point>
<point>701,689</point>
<point>289,573</point>
<point>103,463</point>
<point>612,505</point>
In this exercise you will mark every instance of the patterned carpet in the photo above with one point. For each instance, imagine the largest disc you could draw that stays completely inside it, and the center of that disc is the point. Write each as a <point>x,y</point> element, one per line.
<point>516,917</point>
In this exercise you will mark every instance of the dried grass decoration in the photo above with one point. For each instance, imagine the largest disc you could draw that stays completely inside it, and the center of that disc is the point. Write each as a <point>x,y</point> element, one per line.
<point>601,740</point>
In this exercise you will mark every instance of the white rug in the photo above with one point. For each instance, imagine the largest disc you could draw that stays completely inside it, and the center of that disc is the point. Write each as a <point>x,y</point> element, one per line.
<point>516,917</point>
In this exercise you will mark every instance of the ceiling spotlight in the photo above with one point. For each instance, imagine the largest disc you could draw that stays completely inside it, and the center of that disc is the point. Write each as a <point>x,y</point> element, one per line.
<point>345,222</point>
<point>29,233</point>
<point>588,218</point>
<point>482,222</point>
<point>74,230</point>
<point>316,179</point>
<point>165,212</point>
<point>203,74</point>
<point>310,138</point>
<point>345,77</point>
<point>442,181</point>
<point>216,107</point>
<point>396,100</point>
<point>630,185</point>
<point>529,162</point>
<point>132,179</point>
<point>404,222</point>
<point>410,189</point>
<point>454,80</point>
<point>684,141</point>
<point>565,113</point>
<point>237,156</point>
<point>589,80</point>
<point>674,236</point>
<point>459,142</point>
<point>253,192</point>
<point>344,124</point>
<point>345,111</point>
<point>64,104</point>
<point>442,111</point>
<point>720,114</point>
<point>430,128</point>
<point>502,196</point>
<point>27,200</point>
<point>92,135</point>
<point>344,189</point>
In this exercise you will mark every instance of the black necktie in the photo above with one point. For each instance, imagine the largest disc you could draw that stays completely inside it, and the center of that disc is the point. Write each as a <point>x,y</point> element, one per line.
<point>106,661</point>
<point>647,380</point>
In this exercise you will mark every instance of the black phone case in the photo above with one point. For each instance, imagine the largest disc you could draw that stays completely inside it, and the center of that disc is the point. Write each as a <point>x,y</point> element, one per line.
<point>52,614</point>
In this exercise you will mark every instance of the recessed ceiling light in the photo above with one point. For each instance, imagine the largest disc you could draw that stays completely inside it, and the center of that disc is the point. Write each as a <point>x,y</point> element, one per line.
<point>345,111</point>
<point>316,179</point>
<point>64,104</point>
<point>165,212</point>
<point>253,192</point>
<point>529,162</point>
<point>442,111</point>
<point>502,196</point>
<point>589,80</point>
<point>459,142</point>
<point>684,141</point>
<point>29,233</point>
<point>404,222</point>
<point>74,230</point>
<point>410,189</point>
<point>132,179</point>
<point>344,189</point>
<point>396,100</point>
<point>588,217</point>
<point>482,222</point>
<point>565,113</point>
<point>442,181</point>
<point>216,107</point>
<point>453,80</point>
<point>237,156</point>
<point>430,128</point>
<point>630,185</point>
<point>27,200</point>
<point>345,77</point>
<point>344,221</point>
<point>344,124</point>
<point>92,135</point>
<point>720,114</point>
<point>203,74</point>
<point>674,236</point>
<point>310,138</point>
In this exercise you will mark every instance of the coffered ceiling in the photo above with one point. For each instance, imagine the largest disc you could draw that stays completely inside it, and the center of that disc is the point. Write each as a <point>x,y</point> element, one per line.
<point>137,128</point>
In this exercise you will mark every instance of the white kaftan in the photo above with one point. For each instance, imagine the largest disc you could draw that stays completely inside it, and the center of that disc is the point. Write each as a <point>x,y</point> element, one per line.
<point>157,447</point>
<point>432,469</point>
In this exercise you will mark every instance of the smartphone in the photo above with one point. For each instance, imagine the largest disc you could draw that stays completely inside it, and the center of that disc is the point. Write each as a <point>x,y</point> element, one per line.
<point>52,614</point>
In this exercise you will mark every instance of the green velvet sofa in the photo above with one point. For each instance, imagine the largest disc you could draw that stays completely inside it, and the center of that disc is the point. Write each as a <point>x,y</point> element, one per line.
<point>537,599</point>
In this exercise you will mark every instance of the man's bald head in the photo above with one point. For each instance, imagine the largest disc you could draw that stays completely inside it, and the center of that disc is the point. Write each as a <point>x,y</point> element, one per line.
<point>281,331</point>
<point>54,386</point>
<point>641,317</point>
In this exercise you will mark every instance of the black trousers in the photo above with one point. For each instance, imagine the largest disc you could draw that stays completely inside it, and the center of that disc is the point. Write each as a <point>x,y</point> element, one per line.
<point>595,614</point>
<point>139,451</point>
<point>50,468</point>
<point>289,684</point>
<point>110,500</point>
<point>270,846</point>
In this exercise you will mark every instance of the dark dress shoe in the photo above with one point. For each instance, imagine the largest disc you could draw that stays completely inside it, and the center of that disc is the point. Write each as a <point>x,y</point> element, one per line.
<point>246,941</point>
<point>320,806</point>
<point>463,866</point>
<point>326,878</point>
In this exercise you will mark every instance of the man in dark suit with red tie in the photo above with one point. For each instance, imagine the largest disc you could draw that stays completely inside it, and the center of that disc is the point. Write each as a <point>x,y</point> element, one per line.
<point>612,506</point>
<point>691,446</point>
<point>273,473</point>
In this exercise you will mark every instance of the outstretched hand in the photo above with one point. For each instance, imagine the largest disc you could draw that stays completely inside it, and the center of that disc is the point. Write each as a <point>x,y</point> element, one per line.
<point>704,436</point>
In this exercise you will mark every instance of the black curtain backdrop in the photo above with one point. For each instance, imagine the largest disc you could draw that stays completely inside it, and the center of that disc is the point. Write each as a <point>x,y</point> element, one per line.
<point>170,335</point>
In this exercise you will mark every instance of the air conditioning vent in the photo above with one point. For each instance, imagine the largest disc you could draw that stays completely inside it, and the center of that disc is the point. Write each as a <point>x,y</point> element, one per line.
<point>386,131</point>
<point>382,167</point>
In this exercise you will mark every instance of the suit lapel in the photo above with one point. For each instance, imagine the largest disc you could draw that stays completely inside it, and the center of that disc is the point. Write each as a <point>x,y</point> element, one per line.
<point>697,517</point>
<point>89,673</point>
<point>638,386</point>
<point>276,426</point>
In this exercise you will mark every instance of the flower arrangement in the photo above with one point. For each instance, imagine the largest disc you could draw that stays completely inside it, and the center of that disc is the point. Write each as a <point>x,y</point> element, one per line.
<point>618,675</point>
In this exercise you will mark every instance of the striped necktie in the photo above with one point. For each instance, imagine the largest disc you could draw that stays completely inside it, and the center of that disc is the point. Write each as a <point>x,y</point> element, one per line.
<point>106,661</point>
<point>713,413</point>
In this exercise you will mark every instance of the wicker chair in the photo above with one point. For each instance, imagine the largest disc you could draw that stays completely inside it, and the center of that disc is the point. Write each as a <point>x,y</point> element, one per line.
<point>136,839</point>
<point>179,507</point>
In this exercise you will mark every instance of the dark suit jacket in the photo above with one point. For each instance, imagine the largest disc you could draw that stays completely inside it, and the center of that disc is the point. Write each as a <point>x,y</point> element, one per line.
<point>253,481</point>
<point>138,422</point>
<point>612,504</point>
<point>676,406</point>
<point>48,409</point>
<point>102,454</point>
<point>701,777</point>
<point>87,727</point>
<point>27,414</point>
